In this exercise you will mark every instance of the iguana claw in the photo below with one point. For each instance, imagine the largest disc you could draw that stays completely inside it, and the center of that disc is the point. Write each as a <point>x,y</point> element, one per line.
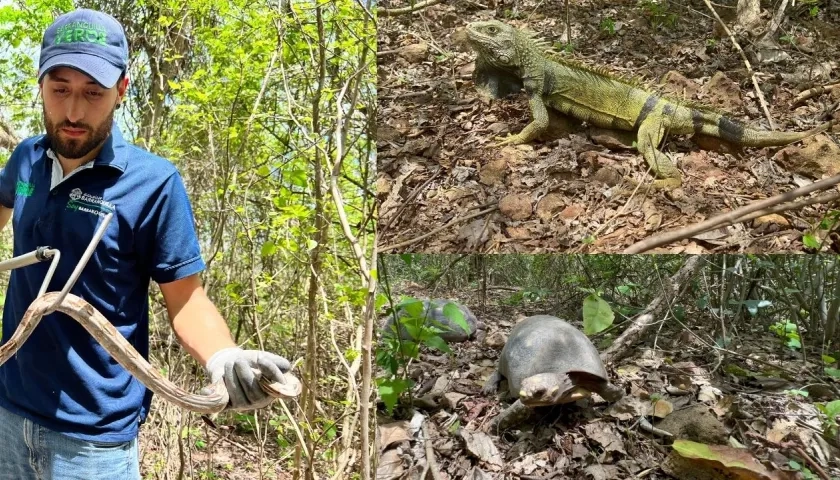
<point>508,140</point>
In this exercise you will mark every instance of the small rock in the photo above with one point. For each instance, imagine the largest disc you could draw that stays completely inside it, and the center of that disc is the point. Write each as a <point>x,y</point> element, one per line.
<point>549,205</point>
<point>723,92</point>
<point>383,186</point>
<point>450,19</point>
<point>819,158</point>
<point>515,207</point>
<point>572,211</point>
<point>678,86</point>
<point>772,219</point>
<point>696,423</point>
<point>496,339</point>
<point>608,175</point>
<point>415,52</point>
<point>498,128</point>
<point>493,173</point>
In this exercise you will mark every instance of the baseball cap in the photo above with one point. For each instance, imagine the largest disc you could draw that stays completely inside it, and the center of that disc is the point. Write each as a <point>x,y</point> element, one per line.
<point>89,41</point>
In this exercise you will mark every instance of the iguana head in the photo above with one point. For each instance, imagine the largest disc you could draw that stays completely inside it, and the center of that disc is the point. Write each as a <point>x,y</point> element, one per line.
<point>550,389</point>
<point>494,41</point>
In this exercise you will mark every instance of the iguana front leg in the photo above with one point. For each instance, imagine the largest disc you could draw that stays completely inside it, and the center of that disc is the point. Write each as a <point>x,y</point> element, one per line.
<point>648,138</point>
<point>538,124</point>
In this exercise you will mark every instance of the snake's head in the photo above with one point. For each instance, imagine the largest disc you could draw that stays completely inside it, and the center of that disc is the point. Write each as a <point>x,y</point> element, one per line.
<point>550,389</point>
<point>494,41</point>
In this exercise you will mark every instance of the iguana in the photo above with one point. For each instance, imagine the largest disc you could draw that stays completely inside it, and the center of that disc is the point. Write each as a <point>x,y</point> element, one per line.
<point>511,59</point>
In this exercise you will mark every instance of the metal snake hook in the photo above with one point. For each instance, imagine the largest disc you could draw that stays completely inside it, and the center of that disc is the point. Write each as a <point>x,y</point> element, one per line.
<point>97,236</point>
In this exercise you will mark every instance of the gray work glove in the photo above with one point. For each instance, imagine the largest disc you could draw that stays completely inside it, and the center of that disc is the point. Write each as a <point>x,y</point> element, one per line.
<point>234,364</point>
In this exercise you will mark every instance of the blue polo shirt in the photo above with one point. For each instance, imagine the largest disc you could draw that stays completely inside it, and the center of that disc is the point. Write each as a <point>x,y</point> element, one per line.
<point>61,378</point>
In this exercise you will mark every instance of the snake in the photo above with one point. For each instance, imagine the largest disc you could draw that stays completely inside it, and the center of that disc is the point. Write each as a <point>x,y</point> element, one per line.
<point>214,397</point>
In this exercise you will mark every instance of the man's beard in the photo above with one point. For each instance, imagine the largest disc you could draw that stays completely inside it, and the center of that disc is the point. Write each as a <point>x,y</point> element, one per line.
<point>73,148</point>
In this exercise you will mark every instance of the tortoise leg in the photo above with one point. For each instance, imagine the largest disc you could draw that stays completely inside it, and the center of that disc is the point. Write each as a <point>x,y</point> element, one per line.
<point>509,417</point>
<point>491,385</point>
<point>611,392</point>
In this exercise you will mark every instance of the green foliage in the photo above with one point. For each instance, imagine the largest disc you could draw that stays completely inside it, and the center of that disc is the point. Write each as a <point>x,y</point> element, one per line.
<point>231,93</point>
<point>393,352</point>
<point>796,393</point>
<point>526,295</point>
<point>597,314</point>
<point>607,26</point>
<point>788,333</point>
<point>811,241</point>
<point>658,13</point>
<point>831,410</point>
<point>752,305</point>
<point>806,473</point>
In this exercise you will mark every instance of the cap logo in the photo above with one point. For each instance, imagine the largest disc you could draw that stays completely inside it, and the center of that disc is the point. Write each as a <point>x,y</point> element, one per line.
<point>81,32</point>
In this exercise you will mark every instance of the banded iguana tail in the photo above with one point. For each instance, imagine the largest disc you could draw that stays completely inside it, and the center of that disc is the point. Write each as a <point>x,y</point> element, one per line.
<point>509,59</point>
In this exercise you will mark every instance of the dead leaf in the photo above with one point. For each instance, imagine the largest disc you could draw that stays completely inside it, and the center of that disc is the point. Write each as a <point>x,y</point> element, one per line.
<point>738,463</point>
<point>661,408</point>
<point>390,466</point>
<point>481,446</point>
<point>391,433</point>
<point>601,472</point>
<point>606,436</point>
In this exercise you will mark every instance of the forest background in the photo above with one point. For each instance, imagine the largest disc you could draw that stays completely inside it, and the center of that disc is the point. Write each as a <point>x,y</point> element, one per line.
<point>263,107</point>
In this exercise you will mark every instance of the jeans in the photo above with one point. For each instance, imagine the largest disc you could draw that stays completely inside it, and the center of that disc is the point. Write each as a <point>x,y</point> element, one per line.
<point>32,452</point>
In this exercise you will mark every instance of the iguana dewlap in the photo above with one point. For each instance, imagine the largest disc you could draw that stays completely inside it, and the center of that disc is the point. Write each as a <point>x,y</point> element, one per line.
<point>509,59</point>
<point>547,361</point>
<point>433,310</point>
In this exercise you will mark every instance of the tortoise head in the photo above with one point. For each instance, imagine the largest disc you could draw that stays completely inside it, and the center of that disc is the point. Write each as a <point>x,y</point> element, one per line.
<point>550,389</point>
<point>494,41</point>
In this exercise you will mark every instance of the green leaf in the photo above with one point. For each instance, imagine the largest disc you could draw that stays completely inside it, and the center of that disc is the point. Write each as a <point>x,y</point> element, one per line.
<point>452,312</point>
<point>268,249</point>
<point>390,390</point>
<point>832,372</point>
<point>828,359</point>
<point>597,314</point>
<point>434,341</point>
<point>810,241</point>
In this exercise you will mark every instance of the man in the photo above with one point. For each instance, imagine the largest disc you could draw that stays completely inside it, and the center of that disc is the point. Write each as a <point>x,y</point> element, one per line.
<point>67,409</point>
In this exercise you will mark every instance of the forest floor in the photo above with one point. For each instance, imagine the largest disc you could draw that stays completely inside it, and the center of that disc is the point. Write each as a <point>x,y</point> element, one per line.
<point>679,381</point>
<point>437,162</point>
<point>229,452</point>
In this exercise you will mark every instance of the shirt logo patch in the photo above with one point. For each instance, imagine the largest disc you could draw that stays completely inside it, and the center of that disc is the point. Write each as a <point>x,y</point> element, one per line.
<point>24,189</point>
<point>85,202</point>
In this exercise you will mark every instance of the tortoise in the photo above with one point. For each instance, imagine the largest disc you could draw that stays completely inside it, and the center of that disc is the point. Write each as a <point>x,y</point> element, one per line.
<point>433,311</point>
<point>547,361</point>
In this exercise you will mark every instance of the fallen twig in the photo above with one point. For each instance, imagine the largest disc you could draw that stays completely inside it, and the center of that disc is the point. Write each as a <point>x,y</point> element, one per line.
<point>813,92</point>
<point>747,212</point>
<point>392,12</point>
<point>758,92</point>
<point>431,463</point>
<point>439,229</point>
<point>645,425</point>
